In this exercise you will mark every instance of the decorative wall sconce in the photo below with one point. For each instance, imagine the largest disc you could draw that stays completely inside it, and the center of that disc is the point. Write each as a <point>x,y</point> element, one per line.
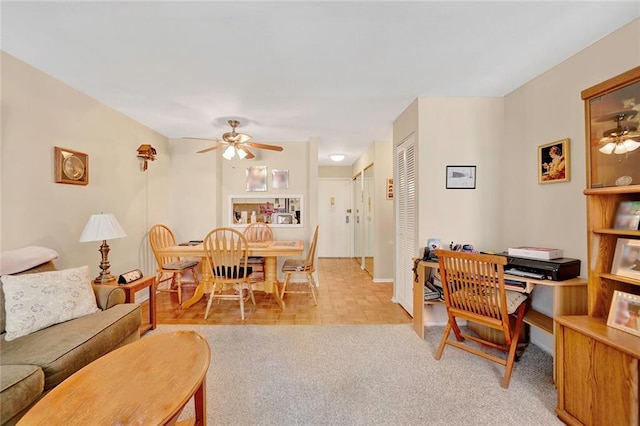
<point>146,153</point>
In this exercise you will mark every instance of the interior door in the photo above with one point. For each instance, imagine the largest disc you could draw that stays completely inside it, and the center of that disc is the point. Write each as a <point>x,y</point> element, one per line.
<point>368,226</point>
<point>358,222</point>
<point>334,218</point>
<point>406,229</point>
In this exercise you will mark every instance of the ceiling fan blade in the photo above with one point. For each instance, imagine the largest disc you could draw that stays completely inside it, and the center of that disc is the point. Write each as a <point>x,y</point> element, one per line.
<point>264,146</point>
<point>203,139</point>
<point>210,148</point>
<point>249,153</point>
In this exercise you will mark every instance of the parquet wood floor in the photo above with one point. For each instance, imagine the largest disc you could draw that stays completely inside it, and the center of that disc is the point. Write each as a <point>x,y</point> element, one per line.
<point>347,295</point>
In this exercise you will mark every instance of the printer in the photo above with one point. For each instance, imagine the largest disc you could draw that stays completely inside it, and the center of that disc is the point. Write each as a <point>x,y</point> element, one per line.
<point>555,269</point>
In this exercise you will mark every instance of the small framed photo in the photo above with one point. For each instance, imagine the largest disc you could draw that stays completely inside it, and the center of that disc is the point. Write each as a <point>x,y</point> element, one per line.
<point>624,313</point>
<point>554,162</point>
<point>461,177</point>
<point>628,216</point>
<point>280,179</point>
<point>257,179</point>
<point>389,188</point>
<point>70,166</point>
<point>626,260</point>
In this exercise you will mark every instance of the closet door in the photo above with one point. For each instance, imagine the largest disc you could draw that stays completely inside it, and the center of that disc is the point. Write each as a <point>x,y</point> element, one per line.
<point>406,227</point>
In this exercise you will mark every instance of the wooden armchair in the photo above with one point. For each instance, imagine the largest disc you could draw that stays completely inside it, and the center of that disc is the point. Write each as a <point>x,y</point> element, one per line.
<point>474,290</point>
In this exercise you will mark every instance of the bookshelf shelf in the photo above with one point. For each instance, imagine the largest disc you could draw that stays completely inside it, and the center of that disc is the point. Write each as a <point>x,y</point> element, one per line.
<point>620,279</point>
<point>620,232</point>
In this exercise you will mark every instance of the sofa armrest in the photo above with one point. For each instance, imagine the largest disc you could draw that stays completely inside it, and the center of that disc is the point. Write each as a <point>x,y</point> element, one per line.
<point>108,296</point>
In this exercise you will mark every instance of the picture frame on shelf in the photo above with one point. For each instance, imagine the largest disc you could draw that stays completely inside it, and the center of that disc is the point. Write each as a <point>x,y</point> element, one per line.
<point>628,216</point>
<point>71,167</point>
<point>554,162</point>
<point>626,259</point>
<point>624,313</point>
<point>461,177</point>
<point>257,179</point>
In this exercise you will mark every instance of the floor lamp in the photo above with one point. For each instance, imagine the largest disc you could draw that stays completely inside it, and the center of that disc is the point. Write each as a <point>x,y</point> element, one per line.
<point>103,227</point>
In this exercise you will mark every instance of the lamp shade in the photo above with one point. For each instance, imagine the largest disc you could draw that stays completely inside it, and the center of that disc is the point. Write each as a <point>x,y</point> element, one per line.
<point>103,226</point>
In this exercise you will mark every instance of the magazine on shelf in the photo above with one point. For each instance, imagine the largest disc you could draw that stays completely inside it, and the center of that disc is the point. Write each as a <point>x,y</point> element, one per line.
<point>535,252</point>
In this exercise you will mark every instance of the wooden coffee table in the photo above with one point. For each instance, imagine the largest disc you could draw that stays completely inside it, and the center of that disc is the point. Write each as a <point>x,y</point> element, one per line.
<point>146,382</point>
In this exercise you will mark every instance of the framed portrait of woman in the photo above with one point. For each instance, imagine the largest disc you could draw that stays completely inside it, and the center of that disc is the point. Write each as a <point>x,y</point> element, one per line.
<point>554,162</point>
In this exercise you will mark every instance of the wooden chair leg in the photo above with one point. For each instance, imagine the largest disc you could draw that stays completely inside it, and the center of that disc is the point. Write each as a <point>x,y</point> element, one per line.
<point>253,299</point>
<point>443,341</point>
<point>312,287</point>
<point>206,313</point>
<point>178,277</point>
<point>284,285</point>
<point>241,303</point>
<point>514,345</point>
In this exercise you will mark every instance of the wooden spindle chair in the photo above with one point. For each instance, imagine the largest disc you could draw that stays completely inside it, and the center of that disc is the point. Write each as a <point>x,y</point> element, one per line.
<point>474,290</point>
<point>227,252</point>
<point>170,268</point>
<point>304,267</point>
<point>255,233</point>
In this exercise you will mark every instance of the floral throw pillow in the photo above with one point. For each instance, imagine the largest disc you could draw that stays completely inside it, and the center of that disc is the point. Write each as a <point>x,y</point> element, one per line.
<point>37,301</point>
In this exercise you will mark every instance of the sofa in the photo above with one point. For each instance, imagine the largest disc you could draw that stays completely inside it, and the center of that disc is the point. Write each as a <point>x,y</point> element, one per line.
<point>32,365</point>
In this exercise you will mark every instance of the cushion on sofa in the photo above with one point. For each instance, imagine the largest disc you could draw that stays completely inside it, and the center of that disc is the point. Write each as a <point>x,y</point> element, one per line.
<point>63,349</point>
<point>13,261</point>
<point>21,386</point>
<point>36,301</point>
<point>48,266</point>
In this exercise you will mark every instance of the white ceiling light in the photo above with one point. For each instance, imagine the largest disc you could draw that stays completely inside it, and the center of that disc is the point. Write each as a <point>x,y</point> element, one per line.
<point>337,157</point>
<point>229,153</point>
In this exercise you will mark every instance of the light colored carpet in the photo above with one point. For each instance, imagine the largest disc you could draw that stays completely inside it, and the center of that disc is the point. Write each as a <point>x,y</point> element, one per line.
<point>363,375</point>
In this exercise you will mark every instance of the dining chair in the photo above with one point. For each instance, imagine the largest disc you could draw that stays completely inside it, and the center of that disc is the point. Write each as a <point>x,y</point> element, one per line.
<point>227,254</point>
<point>474,290</point>
<point>304,267</point>
<point>254,233</point>
<point>170,267</point>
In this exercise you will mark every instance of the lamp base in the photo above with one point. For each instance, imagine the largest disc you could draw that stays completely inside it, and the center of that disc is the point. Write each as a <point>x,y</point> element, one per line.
<point>105,279</point>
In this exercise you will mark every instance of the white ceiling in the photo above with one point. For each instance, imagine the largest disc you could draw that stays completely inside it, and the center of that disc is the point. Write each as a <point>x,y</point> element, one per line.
<point>337,71</point>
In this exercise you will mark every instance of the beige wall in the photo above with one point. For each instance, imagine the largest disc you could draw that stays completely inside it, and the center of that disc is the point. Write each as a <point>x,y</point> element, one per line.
<point>334,172</point>
<point>546,109</point>
<point>40,112</point>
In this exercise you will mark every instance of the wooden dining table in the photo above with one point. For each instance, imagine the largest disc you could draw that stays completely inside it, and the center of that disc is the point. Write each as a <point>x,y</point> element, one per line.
<point>270,250</point>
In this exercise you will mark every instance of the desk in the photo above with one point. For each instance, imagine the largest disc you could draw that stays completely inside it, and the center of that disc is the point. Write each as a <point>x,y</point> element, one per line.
<point>147,382</point>
<point>569,298</point>
<point>270,250</point>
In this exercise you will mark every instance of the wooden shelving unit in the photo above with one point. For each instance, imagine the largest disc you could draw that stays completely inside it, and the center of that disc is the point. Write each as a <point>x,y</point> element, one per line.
<point>599,366</point>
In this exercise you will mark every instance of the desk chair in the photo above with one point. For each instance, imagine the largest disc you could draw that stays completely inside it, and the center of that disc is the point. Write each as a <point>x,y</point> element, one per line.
<point>226,250</point>
<point>474,290</point>
<point>255,233</point>
<point>302,266</point>
<point>160,236</point>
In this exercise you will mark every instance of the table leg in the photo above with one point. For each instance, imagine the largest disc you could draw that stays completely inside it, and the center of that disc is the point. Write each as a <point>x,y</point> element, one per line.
<point>152,305</point>
<point>203,286</point>
<point>271,279</point>
<point>200,402</point>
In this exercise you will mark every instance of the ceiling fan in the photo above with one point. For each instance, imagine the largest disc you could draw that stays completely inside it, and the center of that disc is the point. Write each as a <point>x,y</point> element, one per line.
<point>236,143</point>
<point>621,139</point>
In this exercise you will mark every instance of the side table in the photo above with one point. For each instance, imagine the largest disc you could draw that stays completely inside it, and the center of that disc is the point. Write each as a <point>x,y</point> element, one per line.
<point>130,297</point>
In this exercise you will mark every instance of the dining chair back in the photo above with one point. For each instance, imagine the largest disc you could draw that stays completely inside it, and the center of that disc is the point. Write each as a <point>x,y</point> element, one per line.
<point>474,290</point>
<point>170,268</point>
<point>227,254</point>
<point>255,233</point>
<point>304,267</point>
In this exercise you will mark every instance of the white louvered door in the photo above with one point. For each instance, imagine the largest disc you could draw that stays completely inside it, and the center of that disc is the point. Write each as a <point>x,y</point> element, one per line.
<point>406,229</point>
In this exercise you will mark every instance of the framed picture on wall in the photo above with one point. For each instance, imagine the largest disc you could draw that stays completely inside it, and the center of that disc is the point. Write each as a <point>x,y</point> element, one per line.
<point>70,166</point>
<point>624,313</point>
<point>461,177</point>
<point>280,179</point>
<point>257,179</point>
<point>554,162</point>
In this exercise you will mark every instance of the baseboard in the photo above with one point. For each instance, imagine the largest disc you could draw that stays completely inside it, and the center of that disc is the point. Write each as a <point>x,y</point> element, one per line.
<point>383,280</point>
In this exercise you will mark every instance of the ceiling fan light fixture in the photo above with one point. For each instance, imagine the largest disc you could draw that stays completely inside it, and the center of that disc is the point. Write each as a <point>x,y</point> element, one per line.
<point>337,157</point>
<point>631,145</point>
<point>608,148</point>
<point>241,153</point>
<point>229,153</point>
